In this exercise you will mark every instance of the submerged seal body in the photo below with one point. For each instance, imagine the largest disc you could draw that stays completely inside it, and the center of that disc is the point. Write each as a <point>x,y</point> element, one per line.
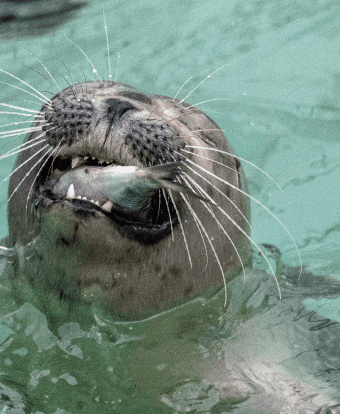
<point>184,245</point>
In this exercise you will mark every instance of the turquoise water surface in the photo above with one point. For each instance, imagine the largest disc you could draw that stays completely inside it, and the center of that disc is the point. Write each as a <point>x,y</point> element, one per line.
<point>276,96</point>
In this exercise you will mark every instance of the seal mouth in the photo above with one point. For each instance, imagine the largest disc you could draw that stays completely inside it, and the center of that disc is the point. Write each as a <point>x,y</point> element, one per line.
<point>153,221</point>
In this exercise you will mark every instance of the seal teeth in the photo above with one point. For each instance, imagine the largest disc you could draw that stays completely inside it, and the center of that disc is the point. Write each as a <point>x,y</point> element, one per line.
<point>71,192</point>
<point>107,206</point>
<point>75,161</point>
<point>85,158</point>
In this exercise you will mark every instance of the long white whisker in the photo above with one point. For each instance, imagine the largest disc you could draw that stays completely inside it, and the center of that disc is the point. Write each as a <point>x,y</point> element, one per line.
<point>18,123</point>
<point>224,195</point>
<point>257,202</point>
<point>218,262</point>
<point>30,93</point>
<point>9,154</point>
<point>45,68</point>
<point>18,132</point>
<point>210,159</point>
<point>118,58</point>
<point>181,225</point>
<point>182,87</point>
<point>199,229</point>
<point>208,77</point>
<point>22,164</point>
<point>20,113</point>
<point>22,109</point>
<point>167,206</point>
<point>88,59</point>
<point>208,100</point>
<point>201,130</point>
<point>28,173</point>
<point>37,175</point>
<point>46,99</point>
<point>221,227</point>
<point>243,160</point>
<point>107,45</point>
<point>239,227</point>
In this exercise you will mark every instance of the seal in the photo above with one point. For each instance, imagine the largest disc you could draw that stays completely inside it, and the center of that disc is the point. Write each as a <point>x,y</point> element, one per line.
<point>188,240</point>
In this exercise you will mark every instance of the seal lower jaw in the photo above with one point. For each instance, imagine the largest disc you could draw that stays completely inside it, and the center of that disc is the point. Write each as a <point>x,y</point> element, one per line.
<point>90,256</point>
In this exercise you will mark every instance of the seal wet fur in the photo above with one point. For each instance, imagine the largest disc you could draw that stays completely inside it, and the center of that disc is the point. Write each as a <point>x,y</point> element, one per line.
<point>186,246</point>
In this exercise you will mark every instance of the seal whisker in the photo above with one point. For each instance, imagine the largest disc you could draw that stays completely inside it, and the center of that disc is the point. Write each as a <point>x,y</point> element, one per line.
<point>224,195</point>
<point>236,225</point>
<point>45,68</point>
<point>107,45</point>
<point>20,113</point>
<point>215,254</point>
<point>181,225</point>
<point>210,159</point>
<point>18,123</point>
<point>243,160</point>
<point>31,87</point>
<point>38,173</point>
<point>199,229</point>
<point>202,130</point>
<point>17,133</point>
<point>28,173</point>
<point>257,202</point>
<point>182,87</point>
<point>28,92</point>
<point>209,208</point>
<point>88,59</point>
<point>206,101</point>
<point>168,209</point>
<point>22,147</point>
<point>205,79</point>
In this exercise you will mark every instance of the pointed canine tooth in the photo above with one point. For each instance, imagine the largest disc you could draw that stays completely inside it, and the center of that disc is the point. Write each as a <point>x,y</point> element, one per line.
<point>107,206</point>
<point>97,203</point>
<point>71,192</point>
<point>75,161</point>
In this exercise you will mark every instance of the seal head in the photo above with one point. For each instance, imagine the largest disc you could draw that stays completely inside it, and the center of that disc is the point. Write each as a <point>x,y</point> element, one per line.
<point>187,241</point>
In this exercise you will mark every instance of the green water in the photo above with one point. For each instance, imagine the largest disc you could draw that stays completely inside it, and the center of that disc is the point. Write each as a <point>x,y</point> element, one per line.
<point>276,98</point>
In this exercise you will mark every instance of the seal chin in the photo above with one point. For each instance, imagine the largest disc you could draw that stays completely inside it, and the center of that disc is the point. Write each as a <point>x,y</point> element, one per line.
<point>150,242</point>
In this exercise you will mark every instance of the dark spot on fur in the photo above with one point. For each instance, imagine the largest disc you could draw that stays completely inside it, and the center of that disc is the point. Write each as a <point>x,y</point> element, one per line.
<point>186,325</point>
<point>64,242</point>
<point>189,289</point>
<point>174,271</point>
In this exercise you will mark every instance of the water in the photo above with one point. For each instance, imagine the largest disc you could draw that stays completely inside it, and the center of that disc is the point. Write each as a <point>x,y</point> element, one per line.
<point>279,106</point>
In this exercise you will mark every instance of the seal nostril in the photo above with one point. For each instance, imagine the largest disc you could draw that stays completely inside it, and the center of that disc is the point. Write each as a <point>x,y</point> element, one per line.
<point>116,109</point>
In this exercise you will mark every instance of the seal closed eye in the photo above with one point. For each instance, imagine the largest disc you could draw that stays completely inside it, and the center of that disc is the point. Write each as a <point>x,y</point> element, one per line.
<point>122,196</point>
